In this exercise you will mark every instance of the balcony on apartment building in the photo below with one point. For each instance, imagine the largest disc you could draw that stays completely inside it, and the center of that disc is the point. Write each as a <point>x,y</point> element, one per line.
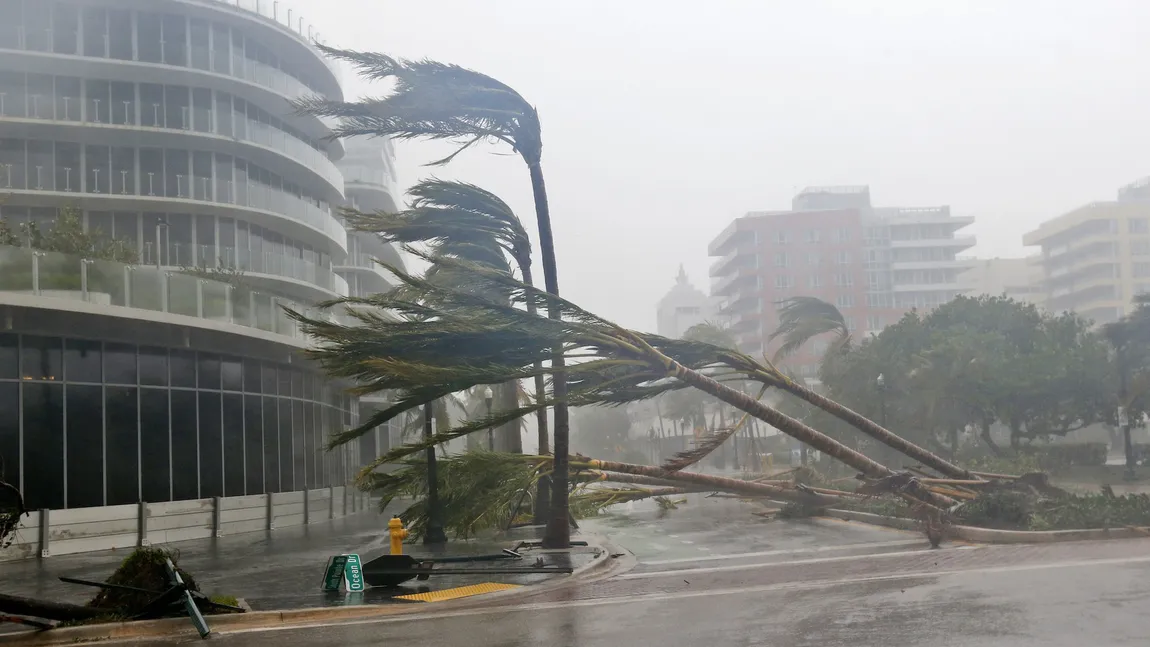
<point>738,256</point>
<point>738,279</point>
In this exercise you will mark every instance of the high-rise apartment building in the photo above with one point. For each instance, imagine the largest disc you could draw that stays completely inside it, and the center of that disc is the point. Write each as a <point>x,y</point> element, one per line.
<point>166,125</point>
<point>874,264</point>
<point>1096,258</point>
<point>1015,278</point>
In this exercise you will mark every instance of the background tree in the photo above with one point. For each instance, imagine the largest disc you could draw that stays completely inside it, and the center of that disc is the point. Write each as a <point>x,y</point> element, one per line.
<point>438,101</point>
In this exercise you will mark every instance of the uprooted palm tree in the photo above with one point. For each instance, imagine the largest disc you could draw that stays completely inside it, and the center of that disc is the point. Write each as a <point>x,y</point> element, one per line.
<point>466,338</point>
<point>438,101</point>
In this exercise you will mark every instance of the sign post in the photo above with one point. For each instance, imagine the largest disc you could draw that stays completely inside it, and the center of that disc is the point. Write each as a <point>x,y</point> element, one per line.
<point>344,572</point>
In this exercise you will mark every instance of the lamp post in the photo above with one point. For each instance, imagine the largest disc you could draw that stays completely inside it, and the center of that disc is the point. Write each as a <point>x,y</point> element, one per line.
<point>880,382</point>
<point>435,533</point>
<point>487,395</point>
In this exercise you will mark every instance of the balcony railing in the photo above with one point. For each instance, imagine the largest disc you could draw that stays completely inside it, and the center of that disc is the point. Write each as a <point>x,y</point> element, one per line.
<point>140,287</point>
<point>230,258</point>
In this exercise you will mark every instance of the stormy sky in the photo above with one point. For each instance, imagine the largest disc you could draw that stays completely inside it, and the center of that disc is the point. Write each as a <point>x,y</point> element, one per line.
<point>664,120</point>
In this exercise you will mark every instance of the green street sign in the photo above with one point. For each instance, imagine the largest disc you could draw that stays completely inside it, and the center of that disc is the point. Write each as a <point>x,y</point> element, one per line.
<point>344,571</point>
<point>334,576</point>
<point>353,573</point>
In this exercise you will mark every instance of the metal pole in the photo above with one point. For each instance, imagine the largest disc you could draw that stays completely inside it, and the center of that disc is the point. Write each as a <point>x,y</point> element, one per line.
<point>435,533</point>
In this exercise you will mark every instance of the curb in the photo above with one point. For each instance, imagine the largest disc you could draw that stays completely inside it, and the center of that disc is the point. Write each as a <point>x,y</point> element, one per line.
<point>993,536</point>
<point>599,568</point>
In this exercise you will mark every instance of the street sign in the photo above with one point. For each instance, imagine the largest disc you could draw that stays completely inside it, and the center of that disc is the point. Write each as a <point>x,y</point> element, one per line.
<point>344,572</point>
<point>352,574</point>
<point>333,578</point>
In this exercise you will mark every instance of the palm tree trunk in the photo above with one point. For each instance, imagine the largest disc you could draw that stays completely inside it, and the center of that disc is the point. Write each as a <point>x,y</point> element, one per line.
<point>738,486</point>
<point>558,533</point>
<point>799,431</point>
<point>874,430</point>
<point>543,485</point>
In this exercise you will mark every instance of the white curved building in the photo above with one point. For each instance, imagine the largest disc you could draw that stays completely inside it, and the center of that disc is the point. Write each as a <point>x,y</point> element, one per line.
<point>166,123</point>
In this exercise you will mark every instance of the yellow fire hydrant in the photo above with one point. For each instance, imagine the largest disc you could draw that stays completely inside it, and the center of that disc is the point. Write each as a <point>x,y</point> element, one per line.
<point>398,533</point>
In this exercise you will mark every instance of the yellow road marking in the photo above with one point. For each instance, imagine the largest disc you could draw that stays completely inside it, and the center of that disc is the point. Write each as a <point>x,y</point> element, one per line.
<point>458,592</point>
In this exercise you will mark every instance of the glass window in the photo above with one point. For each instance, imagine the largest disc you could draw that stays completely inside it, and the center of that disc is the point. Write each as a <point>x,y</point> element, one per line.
<point>13,167</point>
<point>98,97</point>
<point>287,466</point>
<point>11,22</point>
<point>68,101</point>
<point>119,363</point>
<point>123,171</point>
<point>41,97</point>
<point>299,444</point>
<point>223,114</point>
<point>153,366</point>
<point>82,361</point>
<point>202,110</point>
<point>98,170</point>
<point>43,407</point>
<point>221,49</point>
<point>202,172</point>
<point>41,358</point>
<point>253,445</point>
<point>209,371</point>
<point>183,365</point>
<point>122,110</point>
<point>120,34</point>
<point>9,359</point>
<point>177,107</point>
<point>297,384</point>
<point>85,446</point>
<point>149,37</point>
<point>155,458</point>
<point>152,105</point>
<point>13,94</point>
<point>270,439</point>
<point>176,173</point>
<point>175,40</point>
<point>224,192</point>
<point>233,414</point>
<point>9,423</point>
<point>309,424</point>
<point>185,445</point>
<point>201,48</point>
<point>152,171</point>
<point>95,31</point>
<point>67,170</point>
<point>232,370</point>
<point>269,379</point>
<point>211,445</point>
<point>37,28</point>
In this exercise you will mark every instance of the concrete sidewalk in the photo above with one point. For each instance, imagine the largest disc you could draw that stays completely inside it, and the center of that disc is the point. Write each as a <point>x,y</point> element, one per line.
<point>282,569</point>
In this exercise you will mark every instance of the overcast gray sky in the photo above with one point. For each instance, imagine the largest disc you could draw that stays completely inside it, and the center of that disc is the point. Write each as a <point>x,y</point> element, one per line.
<point>664,120</point>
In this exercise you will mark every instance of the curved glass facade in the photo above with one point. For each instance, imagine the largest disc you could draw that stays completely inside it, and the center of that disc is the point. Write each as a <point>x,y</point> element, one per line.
<point>112,32</point>
<point>203,111</point>
<point>90,423</point>
<point>35,165</point>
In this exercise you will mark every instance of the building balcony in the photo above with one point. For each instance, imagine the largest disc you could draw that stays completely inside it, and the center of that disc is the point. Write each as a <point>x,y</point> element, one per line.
<point>957,242</point>
<point>740,304</point>
<point>50,277</point>
<point>279,272</point>
<point>927,287</point>
<point>735,281</point>
<point>741,256</point>
<point>951,264</point>
<point>256,203</point>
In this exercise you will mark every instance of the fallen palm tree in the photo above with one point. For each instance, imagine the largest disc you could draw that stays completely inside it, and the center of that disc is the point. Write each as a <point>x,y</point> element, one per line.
<point>451,338</point>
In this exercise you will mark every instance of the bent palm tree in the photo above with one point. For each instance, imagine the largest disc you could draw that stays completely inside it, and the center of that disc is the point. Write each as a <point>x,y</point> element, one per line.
<point>467,222</point>
<point>803,318</point>
<point>437,101</point>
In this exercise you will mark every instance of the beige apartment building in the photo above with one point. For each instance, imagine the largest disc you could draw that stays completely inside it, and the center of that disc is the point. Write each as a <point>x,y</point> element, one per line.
<point>1020,279</point>
<point>1096,258</point>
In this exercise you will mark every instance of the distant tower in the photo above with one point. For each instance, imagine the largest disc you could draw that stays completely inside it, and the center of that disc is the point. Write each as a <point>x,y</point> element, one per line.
<point>683,306</point>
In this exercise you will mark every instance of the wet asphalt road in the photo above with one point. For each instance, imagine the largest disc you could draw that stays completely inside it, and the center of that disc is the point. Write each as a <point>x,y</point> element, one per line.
<point>711,574</point>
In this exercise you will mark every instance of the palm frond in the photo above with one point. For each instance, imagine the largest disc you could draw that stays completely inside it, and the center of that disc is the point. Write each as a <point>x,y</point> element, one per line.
<point>803,318</point>
<point>432,100</point>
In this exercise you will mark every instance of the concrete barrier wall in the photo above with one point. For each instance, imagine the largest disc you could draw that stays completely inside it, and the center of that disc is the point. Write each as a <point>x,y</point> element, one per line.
<point>60,532</point>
